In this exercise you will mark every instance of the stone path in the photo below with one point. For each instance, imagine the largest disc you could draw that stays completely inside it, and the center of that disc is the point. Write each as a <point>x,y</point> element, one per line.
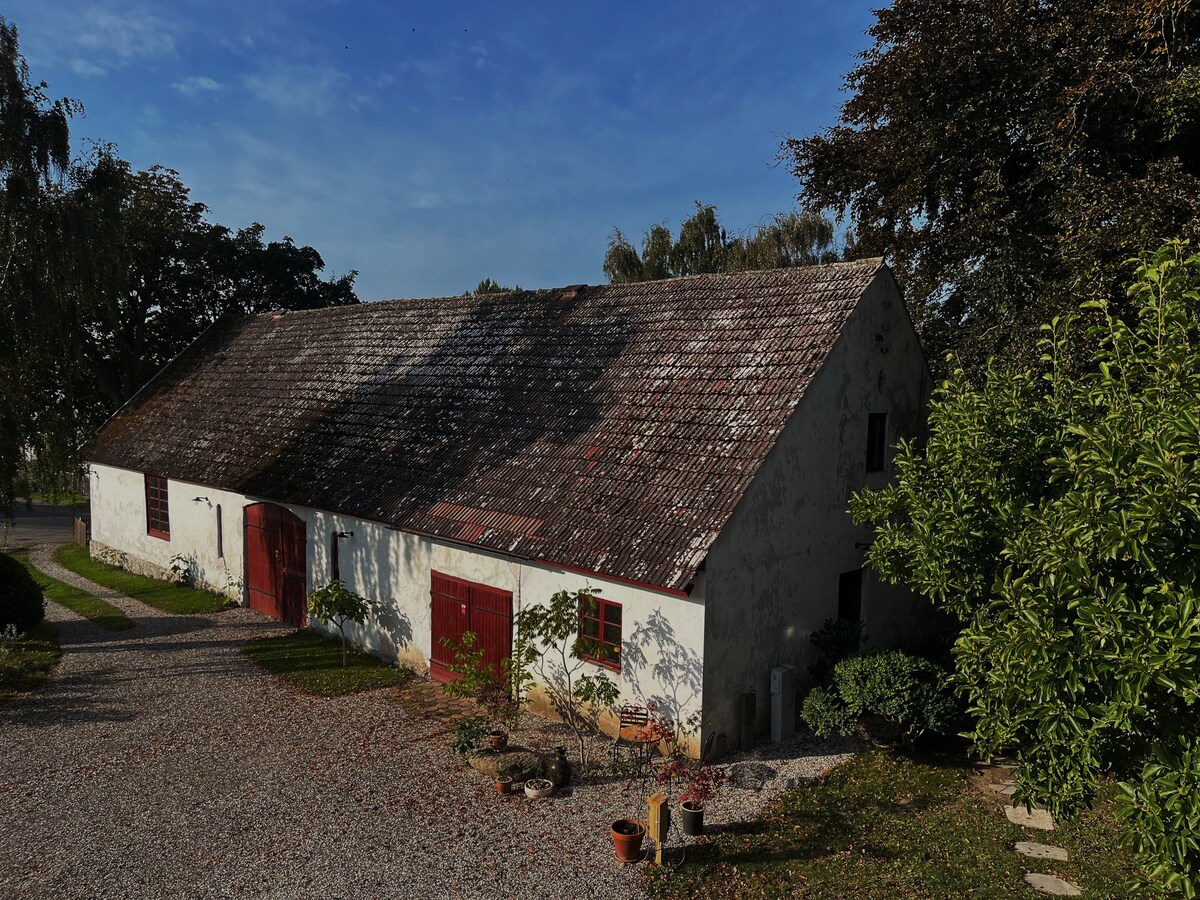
<point>1040,819</point>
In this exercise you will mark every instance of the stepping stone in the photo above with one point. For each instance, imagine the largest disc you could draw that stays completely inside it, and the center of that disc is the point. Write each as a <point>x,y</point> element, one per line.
<point>1049,884</point>
<point>1040,851</point>
<point>1006,789</point>
<point>1038,818</point>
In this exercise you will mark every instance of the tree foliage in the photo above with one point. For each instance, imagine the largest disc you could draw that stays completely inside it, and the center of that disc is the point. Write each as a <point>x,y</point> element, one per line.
<point>1003,156</point>
<point>703,246</point>
<point>107,274</point>
<point>1059,519</point>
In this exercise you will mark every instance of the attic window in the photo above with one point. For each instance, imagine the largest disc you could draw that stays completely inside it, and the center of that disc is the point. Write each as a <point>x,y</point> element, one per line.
<point>600,631</point>
<point>158,518</point>
<point>876,441</point>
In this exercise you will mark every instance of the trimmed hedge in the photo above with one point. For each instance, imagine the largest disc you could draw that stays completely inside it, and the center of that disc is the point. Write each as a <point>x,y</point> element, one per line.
<point>910,693</point>
<point>21,603</point>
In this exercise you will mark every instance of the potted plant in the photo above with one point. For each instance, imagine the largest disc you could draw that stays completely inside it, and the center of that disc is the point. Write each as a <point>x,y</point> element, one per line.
<point>627,835</point>
<point>504,784</point>
<point>700,784</point>
<point>497,739</point>
<point>536,788</point>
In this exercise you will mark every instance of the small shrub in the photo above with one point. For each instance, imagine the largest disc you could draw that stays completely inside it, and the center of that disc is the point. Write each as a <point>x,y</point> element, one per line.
<point>337,605</point>
<point>912,694</point>
<point>826,713</point>
<point>837,639</point>
<point>21,603</point>
<point>467,734</point>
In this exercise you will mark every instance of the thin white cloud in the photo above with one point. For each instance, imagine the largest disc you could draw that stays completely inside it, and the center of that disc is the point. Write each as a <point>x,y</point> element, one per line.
<point>303,88</point>
<point>129,34</point>
<point>197,84</point>
<point>87,69</point>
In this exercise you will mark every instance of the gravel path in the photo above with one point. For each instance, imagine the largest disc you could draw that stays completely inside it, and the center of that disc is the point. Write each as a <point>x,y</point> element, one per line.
<point>160,762</point>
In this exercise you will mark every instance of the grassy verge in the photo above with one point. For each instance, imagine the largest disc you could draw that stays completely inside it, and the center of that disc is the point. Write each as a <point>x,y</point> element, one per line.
<point>882,826</point>
<point>99,611</point>
<point>26,663</point>
<point>314,665</point>
<point>162,595</point>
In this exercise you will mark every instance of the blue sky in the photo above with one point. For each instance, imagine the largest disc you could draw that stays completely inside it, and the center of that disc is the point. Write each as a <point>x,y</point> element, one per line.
<point>430,145</point>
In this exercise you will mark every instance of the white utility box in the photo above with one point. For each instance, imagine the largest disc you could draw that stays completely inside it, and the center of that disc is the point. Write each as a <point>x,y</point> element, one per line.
<point>783,702</point>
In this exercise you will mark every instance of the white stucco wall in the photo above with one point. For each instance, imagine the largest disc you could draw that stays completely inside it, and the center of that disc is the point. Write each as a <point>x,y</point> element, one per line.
<point>662,634</point>
<point>772,575</point>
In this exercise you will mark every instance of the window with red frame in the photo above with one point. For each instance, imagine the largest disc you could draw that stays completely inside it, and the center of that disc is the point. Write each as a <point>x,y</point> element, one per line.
<point>600,626</point>
<point>158,519</point>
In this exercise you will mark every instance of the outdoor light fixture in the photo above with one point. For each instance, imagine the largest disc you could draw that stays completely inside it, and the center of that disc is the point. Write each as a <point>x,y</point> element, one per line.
<point>200,500</point>
<point>343,534</point>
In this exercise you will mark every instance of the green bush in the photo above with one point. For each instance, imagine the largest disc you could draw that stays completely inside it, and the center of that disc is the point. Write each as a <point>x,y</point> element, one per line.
<point>467,734</point>
<point>911,693</point>
<point>21,603</point>
<point>826,713</point>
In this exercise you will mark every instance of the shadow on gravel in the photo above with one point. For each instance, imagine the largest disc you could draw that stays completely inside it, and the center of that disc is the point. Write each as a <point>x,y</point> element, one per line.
<point>68,701</point>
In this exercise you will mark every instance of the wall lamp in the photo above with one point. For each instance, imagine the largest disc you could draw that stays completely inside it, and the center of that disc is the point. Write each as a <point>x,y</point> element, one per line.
<point>343,534</point>
<point>200,500</point>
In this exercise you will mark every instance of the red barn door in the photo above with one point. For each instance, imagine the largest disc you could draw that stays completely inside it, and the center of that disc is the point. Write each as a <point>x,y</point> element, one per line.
<point>459,606</point>
<point>276,563</point>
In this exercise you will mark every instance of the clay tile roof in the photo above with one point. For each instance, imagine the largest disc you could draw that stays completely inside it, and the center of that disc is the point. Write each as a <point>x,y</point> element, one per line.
<point>611,429</point>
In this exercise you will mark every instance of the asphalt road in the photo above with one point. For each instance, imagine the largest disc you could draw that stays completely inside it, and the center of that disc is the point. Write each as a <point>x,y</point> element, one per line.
<point>39,523</point>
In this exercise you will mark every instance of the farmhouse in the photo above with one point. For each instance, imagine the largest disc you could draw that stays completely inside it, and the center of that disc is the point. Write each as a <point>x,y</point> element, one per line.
<point>686,446</point>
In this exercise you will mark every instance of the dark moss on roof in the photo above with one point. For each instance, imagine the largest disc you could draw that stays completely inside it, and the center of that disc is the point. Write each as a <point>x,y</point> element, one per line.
<point>613,430</point>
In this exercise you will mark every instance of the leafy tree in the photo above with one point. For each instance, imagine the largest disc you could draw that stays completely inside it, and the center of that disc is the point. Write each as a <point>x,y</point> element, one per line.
<point>1059,519</point>
<point>1004,157</point>
<point>34,157</point>
<point>703,246</point>
<point>151,273</point>
<point>337,605</point>
<point>550,644</point>
<point>490,286</point>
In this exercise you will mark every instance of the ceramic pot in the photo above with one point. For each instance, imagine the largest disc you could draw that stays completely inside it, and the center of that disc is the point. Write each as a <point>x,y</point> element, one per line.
<point>504,784</point>
<point>691,819</point>
<point>497,740</point>
<point>536,788</point>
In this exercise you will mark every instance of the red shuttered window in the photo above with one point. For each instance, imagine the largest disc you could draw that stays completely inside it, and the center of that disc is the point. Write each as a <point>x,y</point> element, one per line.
<point>600,628</point>
<point>158,518</point>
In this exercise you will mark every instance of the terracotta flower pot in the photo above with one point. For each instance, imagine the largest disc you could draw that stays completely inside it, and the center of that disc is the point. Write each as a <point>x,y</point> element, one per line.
<point>627,835</point>
<point>691,818</point>
<point>504,784</point>
<point>497,740</point>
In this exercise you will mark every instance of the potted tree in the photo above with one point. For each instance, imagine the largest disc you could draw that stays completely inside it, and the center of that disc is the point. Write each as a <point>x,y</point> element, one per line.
<point>700,784</point>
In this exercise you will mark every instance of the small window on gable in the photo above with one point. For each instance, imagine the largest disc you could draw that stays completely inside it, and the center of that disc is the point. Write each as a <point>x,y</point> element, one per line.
<point>600,628</point>
<point>876,441</point>
<point>335,562</point>
<point>158,518</point>
<point>850,588</point>
<point>220,534</point>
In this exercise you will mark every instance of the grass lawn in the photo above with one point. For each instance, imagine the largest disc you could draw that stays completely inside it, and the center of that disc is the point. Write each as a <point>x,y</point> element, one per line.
<point>885,826</point>
<point>160,594</point>
<point>99,611</point>
<point>314,665</point>
<point>25,663</point>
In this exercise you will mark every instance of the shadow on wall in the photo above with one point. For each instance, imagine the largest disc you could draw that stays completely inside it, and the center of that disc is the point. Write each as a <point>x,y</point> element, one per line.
<point>675,680</point>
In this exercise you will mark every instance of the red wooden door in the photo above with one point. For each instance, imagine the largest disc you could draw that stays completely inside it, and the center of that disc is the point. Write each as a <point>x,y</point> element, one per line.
<point>459,606</point>
<point>276,563</point>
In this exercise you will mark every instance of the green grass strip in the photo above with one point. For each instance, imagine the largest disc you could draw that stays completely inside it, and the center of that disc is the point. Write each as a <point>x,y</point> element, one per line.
<point>28,661</point>
<point>314,665</point>
<point>164,595</point>
<point>894,827</point>
<point>79,601</point>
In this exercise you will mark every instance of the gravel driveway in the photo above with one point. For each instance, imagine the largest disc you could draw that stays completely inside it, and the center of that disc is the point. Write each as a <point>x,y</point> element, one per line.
<point>160,762</point>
